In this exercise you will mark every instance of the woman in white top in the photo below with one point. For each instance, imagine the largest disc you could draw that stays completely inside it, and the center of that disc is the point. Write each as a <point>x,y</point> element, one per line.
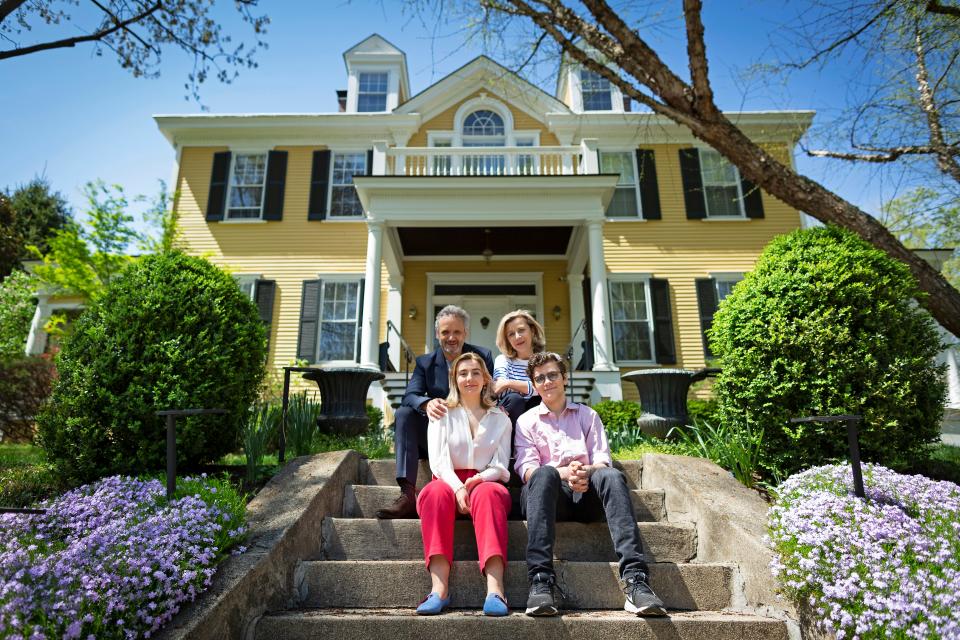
<point>519,336</point>
<point>469,450</point>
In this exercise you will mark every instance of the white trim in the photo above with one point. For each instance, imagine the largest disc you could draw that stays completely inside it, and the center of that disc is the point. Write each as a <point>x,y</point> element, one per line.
<point>648,300</point>
<point>494,258</point>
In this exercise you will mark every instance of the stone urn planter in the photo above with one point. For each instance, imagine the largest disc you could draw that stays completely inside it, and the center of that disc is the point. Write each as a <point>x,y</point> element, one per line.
<point>343,398</point>
<point>663,397</point>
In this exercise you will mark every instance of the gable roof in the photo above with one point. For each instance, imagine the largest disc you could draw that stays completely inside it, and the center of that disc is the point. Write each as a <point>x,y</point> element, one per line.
<point>482,73</point>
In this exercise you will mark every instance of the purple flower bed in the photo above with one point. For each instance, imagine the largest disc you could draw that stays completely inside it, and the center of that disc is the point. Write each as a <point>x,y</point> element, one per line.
<point>885,568</point>
<point>113,559</point>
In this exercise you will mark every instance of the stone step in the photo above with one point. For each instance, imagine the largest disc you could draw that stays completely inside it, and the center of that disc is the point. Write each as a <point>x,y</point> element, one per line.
<point>363,500</point>
<point>588,585</point>
<point>363,624</point>
<point>372,539</point>
<point>384,473</point>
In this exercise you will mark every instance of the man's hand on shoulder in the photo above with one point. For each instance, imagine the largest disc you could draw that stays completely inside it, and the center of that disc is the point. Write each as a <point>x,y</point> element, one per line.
<point>435,408</point>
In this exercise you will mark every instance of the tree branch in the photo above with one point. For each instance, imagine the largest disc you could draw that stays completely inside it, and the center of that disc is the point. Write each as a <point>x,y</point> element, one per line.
<point>697,59</point>
<point>945,160</point>
<point>847,38</point>
<point>946,10</point>
<point>72,42</point>
<point>9,6</point>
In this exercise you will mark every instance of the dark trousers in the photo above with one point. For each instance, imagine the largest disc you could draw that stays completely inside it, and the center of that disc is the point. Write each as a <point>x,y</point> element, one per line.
<point>410,442</point>
<point>546,498</point>
<point>516,405</point>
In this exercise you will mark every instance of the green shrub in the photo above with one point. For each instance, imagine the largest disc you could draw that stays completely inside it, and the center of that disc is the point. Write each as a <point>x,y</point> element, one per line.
<point>25,383</point>
<point>617,415</point>
<point>703,411</point>
<point>170,332</point>
<point>28,484</point>
<point>826,324</point>
<point>17,305</point>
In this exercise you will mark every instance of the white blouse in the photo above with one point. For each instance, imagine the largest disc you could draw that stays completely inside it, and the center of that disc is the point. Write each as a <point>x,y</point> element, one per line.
<point>450,446</point>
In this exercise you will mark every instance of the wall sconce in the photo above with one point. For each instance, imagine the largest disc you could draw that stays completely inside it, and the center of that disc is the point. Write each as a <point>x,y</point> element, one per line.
<point>556,312</point>
<point>412,312</point>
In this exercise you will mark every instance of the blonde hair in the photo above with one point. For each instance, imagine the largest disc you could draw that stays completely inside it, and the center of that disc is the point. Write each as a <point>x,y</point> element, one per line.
<point>538,339</point>
<point>486,397</point>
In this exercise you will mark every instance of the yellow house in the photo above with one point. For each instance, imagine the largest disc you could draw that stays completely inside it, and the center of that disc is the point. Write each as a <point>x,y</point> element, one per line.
<point>618,229</point>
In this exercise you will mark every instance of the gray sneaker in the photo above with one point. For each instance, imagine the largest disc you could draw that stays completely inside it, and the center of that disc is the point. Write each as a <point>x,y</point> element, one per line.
<point>641,599</point>
<point>540,601</point>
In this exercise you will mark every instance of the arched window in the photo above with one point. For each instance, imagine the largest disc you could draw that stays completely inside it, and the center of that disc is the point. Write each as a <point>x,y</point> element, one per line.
<point>483,122</point>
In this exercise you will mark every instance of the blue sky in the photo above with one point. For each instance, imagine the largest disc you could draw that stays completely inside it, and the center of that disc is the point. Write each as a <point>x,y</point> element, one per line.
<point>72,116</point>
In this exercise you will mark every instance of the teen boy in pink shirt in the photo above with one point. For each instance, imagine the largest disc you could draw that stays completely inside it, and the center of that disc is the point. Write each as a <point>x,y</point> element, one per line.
<point>564,461</point>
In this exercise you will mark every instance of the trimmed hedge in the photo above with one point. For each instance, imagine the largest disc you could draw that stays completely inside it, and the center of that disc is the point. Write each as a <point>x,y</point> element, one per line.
<point>827,324</point>
<point>171,332</point>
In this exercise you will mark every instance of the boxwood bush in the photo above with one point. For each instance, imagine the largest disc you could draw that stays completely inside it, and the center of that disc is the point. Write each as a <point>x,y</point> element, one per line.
<point>827,324</point>
<point>171,332</point>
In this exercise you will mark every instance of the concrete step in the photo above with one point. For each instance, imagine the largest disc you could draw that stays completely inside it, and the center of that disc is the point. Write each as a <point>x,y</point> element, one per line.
<point>363,624</point>
<point>372,539</point>
<point>363,500</point>
<point>384,473</point>
<point>588,585</point>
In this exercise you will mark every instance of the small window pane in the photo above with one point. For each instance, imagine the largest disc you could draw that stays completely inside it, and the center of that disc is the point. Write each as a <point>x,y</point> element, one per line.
<point>722,201</point>
<point>720,184</point>
<point>624,202</point>
<point>631,323</point>
<point>338,320</point>
<point>483,123</point>
<point>246,186</point>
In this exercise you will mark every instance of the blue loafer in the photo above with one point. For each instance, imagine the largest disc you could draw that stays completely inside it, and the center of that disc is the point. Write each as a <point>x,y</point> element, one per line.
<point>432,605</point>
<point>495,605</point>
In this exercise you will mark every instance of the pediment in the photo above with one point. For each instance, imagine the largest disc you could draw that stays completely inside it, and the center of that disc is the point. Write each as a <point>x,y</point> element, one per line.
<point>483,75</point>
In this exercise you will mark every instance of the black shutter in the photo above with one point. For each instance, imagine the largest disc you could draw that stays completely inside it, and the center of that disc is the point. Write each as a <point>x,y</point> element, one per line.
<point>376,318</point>
<point>692,184</point>
<point>369,162</point>
<point>307,342</point>
<point>217,199</point>
<point>264,293</point>
<point>752,199</point>
<point>649,193</point>
<point>276,180</point>
<point>319,185</point>
<point>662,321</point>
<point>707,304</point>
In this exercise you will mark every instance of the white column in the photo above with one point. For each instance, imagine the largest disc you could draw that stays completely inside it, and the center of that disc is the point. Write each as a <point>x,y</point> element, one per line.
<point>379,167</point>
<point>395,315</point>
<point>589,160</point>
<point>37,339</point>
<point>370,345</point>
<point>575,289</point>
<point>598,290</point>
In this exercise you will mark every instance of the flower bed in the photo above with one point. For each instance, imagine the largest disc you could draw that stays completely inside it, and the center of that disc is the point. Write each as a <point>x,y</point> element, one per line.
<point>113,559</point>
<point>885,568</point>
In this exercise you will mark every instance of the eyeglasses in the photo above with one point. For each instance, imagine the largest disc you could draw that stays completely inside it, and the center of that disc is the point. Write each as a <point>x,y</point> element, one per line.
<point>552,376</point>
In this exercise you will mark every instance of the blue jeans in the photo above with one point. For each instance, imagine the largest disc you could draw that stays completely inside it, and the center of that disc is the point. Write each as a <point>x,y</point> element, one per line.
<point>546,498</point>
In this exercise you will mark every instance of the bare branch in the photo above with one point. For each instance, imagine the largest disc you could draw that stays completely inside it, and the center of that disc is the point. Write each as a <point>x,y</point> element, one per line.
<point>72,42</point>
<point>697,59</point>
<point>943,9</point>
<point>945,160</point>
<point>844,40</point>
<point>9,6</point>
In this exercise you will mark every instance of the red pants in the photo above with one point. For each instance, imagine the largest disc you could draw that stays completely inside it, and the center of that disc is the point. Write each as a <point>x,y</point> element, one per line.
<point>489,506</point>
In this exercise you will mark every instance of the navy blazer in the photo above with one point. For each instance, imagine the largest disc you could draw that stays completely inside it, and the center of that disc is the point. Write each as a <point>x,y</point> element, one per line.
<point>431,376</point>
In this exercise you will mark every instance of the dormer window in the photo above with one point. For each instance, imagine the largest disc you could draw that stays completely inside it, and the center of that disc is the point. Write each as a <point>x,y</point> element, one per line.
<point>372,91</point>
<point>595,91</point>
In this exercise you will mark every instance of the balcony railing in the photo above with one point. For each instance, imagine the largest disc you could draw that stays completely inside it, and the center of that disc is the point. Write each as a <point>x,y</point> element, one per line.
<point>485,161</point>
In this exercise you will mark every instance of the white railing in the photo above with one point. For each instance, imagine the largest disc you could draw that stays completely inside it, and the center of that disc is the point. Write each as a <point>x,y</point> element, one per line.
<point>485,161</point>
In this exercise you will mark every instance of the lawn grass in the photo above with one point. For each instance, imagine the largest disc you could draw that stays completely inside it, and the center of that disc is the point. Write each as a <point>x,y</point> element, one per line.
<point>636,451</point>
<point>944,464</point>
<point>19,455</point>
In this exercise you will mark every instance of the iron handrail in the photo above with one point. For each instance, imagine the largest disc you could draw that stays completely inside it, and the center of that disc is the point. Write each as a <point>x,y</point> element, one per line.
<point>569,354</point>
<point>408,354</point>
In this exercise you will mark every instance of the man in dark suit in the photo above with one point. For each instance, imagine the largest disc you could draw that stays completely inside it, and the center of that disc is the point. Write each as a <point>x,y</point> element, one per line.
<point>424,399</point>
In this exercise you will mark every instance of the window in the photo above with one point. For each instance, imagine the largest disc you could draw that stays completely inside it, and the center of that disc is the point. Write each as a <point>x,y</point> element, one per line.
<point>725,285</point>
<point>372,92</point>
<point>721,185</point>
<point>339,319</point>
<point>246,186</point>
<point>632,321</point>
<point>624,202</point>
<point>344,202</point>
<point>595,91</point>
<point>483,128</point>
<point>247,284</point>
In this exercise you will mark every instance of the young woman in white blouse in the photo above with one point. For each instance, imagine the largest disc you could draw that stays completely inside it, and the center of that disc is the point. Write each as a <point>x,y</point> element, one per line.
<point>519,336</point>
<point>469,451</point>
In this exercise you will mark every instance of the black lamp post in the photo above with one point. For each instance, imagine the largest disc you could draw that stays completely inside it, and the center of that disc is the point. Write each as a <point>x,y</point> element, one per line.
<point>853,441</point>
<point>172,415</point>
